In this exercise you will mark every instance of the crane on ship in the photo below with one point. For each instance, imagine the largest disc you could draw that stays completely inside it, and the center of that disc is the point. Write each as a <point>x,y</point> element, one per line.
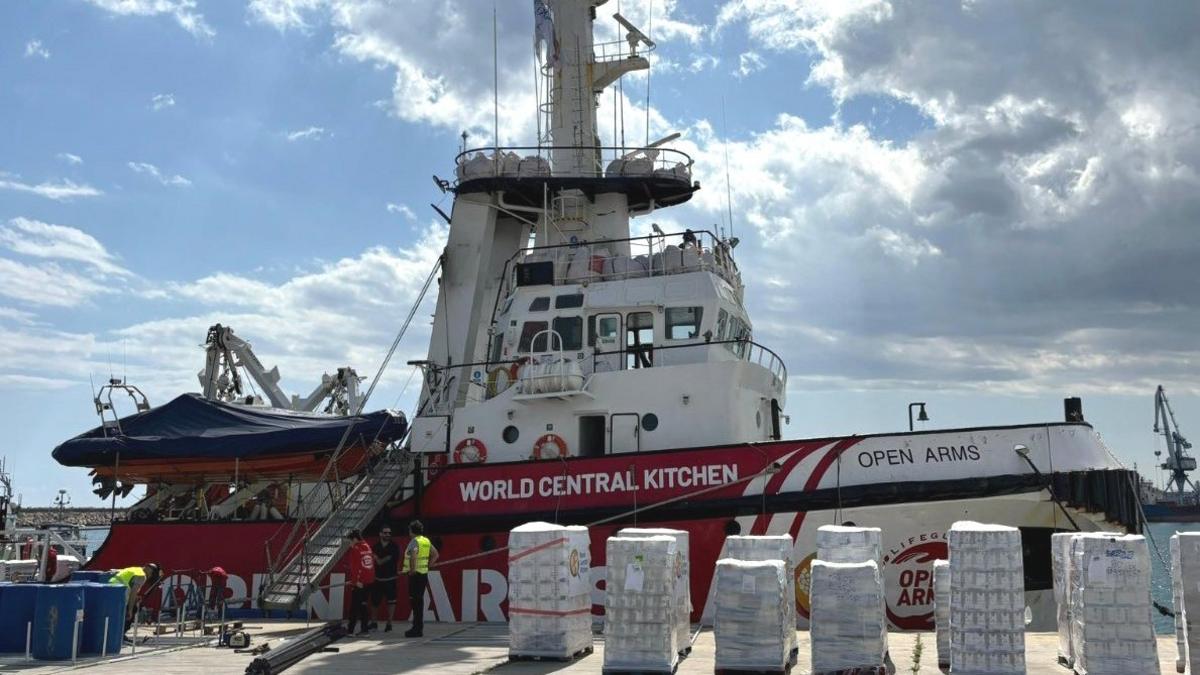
<point>1179,463</point>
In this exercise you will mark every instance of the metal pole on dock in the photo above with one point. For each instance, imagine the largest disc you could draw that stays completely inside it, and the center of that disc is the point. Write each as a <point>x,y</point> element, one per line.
<point>75,642</point>
<point>104,645</point>
<point>29,641</point>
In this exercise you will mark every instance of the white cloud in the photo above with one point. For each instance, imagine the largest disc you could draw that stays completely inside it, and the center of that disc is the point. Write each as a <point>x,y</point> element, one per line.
<point>45,240</point>
<point>749,63</point>
<point>160,101</point>
<point>34,48</point>
<point>69,158</point>
<point>309,134</point>
<point>63,190</point>
<point>182,11</point>
<point>153,171</point>
<point>46,284</point>
<point>283,14</point>
<point>402,209</point>
<point>35,381</point>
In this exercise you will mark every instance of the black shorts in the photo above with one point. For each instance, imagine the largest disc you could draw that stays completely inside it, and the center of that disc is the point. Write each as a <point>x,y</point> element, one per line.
<point>383,590</point>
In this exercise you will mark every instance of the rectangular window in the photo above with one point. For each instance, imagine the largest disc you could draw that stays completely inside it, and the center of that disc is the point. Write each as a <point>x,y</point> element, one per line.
<point>604,328</point>
<point>497,345</point>
<point>683,323</point>
<point>530,329</point>
<point>540,304</point>
<point>570,301</point>
<point>722,320</point>
<point>570,328</point>
<point>639,339</point>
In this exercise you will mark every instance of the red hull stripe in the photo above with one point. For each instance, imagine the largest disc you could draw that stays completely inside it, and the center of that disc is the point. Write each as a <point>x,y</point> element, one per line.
<point>535,549</point>
<point>548,612</point>
<point>818,473</point>
<point>776,481</point>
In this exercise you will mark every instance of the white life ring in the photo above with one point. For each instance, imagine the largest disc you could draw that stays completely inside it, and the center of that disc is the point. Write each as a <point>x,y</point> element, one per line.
<point>550,446</point>
<point>470,451</point>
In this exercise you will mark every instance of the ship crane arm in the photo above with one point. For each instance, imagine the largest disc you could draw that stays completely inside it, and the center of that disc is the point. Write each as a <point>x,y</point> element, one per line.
<point>1179,462</point>
<point>225,353</point>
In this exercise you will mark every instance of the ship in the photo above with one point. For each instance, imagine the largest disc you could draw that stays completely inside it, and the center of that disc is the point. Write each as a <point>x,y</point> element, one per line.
<point>585,367</point>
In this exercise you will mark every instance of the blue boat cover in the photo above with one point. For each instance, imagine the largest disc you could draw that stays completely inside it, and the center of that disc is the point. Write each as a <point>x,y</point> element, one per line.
<point>192,426</point>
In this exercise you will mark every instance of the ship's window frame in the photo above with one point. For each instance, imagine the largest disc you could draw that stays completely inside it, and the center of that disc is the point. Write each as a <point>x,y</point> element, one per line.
<point>568,301</point>
<point>722,322</point>
<point>540,304</point>
<point>528,330</point>
<point>639,354</point>
<point>571,335</point>
<point>692,319</point>
<point>497,346</point>
<point>507,305</point>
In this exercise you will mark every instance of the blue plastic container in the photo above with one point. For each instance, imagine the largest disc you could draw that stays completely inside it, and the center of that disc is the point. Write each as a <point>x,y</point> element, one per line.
<point>100,602</point>
<point>17,604</point>
<point>98,576</point>
<point>54,620</point>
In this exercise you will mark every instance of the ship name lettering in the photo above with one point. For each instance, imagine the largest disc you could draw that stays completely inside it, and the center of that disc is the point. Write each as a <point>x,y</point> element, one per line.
<point>952,453</point>
<point>894,457</point>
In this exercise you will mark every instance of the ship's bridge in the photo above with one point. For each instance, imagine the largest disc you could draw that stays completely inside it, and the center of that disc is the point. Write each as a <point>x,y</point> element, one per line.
<point>649,177</point>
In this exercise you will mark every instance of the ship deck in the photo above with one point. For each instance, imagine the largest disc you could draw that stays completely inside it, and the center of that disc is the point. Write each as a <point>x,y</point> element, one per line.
<point>465,649</point>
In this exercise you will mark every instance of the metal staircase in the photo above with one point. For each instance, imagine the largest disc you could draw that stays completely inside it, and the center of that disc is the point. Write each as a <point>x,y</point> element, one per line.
<point>310,556</point>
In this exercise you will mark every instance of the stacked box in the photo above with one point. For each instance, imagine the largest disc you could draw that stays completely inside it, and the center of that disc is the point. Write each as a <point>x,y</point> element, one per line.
<point>1060,554</point>
<point>683,582</point>
<point>639,623</point>
<point>1111,628</point>
<point>987,599</point>
<point>846,625</point>
<point>839,543</point>
<point>1189,593</point>
<point>549,591</point>
<point>941,610</point>
<point>754,626</point>
<point>768,547</point>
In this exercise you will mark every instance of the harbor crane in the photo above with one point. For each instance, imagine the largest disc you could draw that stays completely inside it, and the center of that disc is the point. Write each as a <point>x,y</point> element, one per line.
<point>1178,462</point>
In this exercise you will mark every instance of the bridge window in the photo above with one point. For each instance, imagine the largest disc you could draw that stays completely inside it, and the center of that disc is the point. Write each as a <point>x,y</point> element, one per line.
<point>722,321</point>
<point>497,346</point>
<point>639,339</point>
<point>569,301</point>
<point>540,304</point>
<point>571,330</point>
<point>683,323</point>
<point>530,329</point>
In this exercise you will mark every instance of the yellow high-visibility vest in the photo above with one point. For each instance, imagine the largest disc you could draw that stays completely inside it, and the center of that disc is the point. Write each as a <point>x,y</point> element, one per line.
<point>126,575</point>
<point>423,548</point>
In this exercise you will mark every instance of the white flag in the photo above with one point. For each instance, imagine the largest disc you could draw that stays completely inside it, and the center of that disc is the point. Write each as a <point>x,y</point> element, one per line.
<point>543,33</point>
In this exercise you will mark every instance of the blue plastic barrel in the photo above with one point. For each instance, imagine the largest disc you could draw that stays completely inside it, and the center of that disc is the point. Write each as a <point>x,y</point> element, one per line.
<point>17,603</point>
<point>54,620</point>
<point>98,576</point>
<point>100,602</point>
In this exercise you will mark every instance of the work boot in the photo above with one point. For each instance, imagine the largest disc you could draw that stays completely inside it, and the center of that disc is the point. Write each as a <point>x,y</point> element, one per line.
<point>412,632</point>
<point>388,628</point>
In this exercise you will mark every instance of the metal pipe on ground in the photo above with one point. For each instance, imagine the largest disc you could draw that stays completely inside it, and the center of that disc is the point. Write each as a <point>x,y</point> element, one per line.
<point>292,652</point>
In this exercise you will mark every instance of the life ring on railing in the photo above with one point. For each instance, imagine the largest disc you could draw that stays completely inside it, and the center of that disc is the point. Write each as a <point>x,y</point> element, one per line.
<point>495,385</point>
<point>549,446</point>
<point>470,451</point>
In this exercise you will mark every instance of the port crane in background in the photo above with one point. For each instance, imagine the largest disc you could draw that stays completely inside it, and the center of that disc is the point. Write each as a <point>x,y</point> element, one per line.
<point>221,381</point>
<point>1179,463</point>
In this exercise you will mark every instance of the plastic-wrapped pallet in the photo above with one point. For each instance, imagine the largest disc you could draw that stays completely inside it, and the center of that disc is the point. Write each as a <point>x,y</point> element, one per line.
<point>941,610</point>
<point>1189,592</point>
<point>846,626</point>
<point>753,548</point>
<point>1060,554</point>
<point>639,626</point>
<point>1111,629</point>
<point>1177,605</point>
<point>753,627</point>
<point>683,583</point>
<point>839,543</point>
<point>987,599</point>
<point>549,591</point>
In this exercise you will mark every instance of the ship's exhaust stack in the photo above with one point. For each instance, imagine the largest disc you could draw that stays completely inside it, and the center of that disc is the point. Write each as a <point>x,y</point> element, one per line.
<point>1073,409</point>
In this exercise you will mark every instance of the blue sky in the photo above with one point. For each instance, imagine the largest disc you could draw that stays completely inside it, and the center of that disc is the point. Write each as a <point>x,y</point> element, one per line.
<point>930,210</point>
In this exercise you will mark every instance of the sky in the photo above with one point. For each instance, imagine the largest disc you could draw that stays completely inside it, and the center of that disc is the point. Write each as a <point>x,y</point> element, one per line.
<point>987,206</point>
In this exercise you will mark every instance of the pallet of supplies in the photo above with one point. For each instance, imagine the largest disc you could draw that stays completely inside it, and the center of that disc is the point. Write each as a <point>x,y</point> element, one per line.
<point>987,599</point>
<point>639,626</point>
<point>683,583</point>
<point>843,543</point>
<point>549,591</point>
<point>941,610</point>
<point>753,548</point>
<point>1111,627</point>
<point>1060,553</point>
<point>1187,610</point>
<point>751,627</point>
<point>846,626</point>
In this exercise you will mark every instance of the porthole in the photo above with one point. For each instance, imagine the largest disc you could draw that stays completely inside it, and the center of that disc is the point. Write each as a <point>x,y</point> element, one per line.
<point>649,422</point>
<point>510,434</point>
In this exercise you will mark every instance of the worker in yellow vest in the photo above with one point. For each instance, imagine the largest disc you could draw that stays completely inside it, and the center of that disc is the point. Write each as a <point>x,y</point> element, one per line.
<point>419,556</point>
<point>137,582</point>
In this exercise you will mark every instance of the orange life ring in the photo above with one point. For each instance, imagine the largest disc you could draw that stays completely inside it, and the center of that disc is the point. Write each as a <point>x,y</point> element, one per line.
<point>470,451</point>
<point>494,385</point>
<point>549,446</point>
<point>436,463</point>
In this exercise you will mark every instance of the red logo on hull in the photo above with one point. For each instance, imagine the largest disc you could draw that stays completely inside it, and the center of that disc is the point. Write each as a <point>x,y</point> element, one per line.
<point>909,585</point>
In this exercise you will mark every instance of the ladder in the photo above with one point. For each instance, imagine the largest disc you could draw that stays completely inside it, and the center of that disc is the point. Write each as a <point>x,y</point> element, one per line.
<point>317,553</point>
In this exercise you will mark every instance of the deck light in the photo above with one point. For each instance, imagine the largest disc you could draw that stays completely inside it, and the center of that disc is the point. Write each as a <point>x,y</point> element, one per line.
<point>921,416</point>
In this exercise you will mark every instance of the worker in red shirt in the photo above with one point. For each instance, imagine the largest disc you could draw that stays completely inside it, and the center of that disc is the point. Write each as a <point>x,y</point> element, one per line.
<point>51,563</point>
<point>362,575</point>
<point>218,580</point>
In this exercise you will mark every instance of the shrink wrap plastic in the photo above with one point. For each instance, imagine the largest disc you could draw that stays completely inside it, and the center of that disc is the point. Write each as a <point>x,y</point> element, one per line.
<point>1111,629</point>
<point>941,609</point>
<point>549,590</point>
<point>1060,554</point>
<point>846,627</point>
<point>768,547</point>
<point>639,626</point>
<point>753,627</point>
<point>1187,607</point>
<point>839,543</point>
<point>683,584</point>
<point>987,599</point>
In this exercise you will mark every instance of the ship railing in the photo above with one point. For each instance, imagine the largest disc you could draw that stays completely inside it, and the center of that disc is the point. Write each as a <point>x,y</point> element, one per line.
<point>549,371</point>
<point>618,50</point>
<point>651,255</point>
<point>606,161</point>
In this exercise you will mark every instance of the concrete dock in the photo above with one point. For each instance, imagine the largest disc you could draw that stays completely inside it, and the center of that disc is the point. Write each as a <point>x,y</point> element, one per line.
<point>465,649</point>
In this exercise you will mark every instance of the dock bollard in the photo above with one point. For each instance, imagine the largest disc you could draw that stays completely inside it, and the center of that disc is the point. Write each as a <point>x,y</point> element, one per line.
<point>104,645</point>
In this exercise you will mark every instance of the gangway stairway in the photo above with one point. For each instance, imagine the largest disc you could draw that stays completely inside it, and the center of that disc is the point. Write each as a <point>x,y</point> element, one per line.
<point>309,557</point>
